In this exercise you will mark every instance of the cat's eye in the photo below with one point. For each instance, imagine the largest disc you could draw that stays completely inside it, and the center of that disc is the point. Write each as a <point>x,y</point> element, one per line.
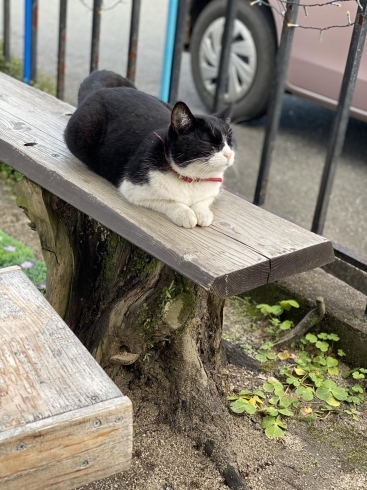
<point>207,139</point>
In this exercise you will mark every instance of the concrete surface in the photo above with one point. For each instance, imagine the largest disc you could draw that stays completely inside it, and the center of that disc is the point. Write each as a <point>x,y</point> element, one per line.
<point>302,142</point>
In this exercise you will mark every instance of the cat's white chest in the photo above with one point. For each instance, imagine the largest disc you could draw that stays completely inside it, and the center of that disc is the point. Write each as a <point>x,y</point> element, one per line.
<point>186,203</point>
<point>169,187</point>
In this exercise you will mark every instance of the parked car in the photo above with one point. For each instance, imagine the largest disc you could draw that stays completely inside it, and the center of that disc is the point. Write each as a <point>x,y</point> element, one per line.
<point>317,59</point>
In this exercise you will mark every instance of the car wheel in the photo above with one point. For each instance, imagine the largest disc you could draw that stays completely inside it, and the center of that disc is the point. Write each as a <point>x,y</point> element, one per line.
<point>252,57</point>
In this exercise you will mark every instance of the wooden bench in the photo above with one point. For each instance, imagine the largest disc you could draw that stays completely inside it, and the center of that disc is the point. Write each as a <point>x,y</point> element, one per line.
<point>121,301</point>
<point>63,422</point>
<point>245,247</point>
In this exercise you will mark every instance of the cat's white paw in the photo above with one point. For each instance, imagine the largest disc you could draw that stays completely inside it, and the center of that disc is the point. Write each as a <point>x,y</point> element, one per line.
<point>184,217</point>
<point>204,215</point>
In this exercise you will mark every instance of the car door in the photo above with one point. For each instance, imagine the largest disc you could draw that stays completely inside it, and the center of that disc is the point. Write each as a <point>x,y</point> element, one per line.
<point>318,56</point>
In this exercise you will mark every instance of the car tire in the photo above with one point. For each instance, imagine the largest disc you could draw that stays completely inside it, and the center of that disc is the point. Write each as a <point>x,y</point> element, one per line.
<point>249,94</point>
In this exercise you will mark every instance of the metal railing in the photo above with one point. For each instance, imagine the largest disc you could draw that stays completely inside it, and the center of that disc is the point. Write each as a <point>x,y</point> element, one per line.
<point>339,128</point>
<point>172,63</point>
<point>31,34</point>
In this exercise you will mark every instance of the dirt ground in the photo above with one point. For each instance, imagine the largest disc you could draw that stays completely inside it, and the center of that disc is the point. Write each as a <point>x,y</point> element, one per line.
<point>326,454</point>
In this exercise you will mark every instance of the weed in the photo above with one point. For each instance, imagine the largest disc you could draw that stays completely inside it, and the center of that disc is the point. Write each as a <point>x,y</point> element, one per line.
<point>305,387</point>
<point>265,352</point>
<point>10,177</point>
<point>275,325</point>
<point>13,252</point>
<point>14,68</point>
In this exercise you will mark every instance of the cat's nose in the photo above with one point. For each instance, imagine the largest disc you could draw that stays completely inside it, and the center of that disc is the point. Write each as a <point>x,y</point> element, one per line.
<point>227,152</point>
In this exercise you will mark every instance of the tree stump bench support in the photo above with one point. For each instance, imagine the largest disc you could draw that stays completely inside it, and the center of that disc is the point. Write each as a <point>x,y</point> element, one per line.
<point>132,285</point>
<point>63,422</point>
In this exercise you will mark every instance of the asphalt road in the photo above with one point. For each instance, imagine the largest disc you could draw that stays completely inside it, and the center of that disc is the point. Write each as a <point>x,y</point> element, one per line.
<point>303,137</point>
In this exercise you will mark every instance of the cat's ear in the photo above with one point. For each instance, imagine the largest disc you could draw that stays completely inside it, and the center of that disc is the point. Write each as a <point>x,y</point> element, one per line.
<point>225,114</point>
<point>181,117</point>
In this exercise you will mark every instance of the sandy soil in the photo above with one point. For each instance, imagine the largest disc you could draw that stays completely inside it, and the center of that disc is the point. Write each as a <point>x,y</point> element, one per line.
<point>323,455</point>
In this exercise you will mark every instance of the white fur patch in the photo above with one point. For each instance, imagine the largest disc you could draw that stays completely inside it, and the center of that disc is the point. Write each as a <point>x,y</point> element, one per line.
<point>185,120</point>
<point>185,203</point>
<point>215,167</point>
<point>175,198</point>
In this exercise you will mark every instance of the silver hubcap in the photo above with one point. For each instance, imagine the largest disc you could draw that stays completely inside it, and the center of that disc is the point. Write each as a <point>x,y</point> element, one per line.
<point>242,65</point>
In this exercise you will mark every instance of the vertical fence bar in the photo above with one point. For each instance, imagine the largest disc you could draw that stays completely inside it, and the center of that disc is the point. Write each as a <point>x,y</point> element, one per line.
<point>168,50</point>
<point>6,30</point>
<point>275,100</point>
<point>341,118</point>
<point>133,41</point>
<point>34,33</point>
<point>225,53</point>
<point>177,51</point>
<point>61,50</point>
<point>27,53</point>
<point>96,29</point>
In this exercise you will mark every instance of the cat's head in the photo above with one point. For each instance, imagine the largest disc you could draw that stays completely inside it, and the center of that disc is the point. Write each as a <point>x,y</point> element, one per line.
<point>199,146</point>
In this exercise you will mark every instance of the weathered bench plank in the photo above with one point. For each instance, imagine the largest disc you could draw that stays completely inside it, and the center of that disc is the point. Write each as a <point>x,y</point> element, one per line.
<point>63,422</point>
<point>244,248</point>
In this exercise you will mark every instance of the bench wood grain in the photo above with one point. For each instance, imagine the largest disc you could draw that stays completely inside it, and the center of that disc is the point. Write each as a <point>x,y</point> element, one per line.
<point>244,248</point>
<point>63,422</point>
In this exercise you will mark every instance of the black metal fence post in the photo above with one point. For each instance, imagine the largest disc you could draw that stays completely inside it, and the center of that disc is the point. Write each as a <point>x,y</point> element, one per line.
<point>61,50</point>
<point>225,53</point>
<point>275,100</point>
<point>342,117</point>
<point>34,35</point>
<point>96,29</point>
<point>6,30</point>
<point>177,51</point>
<point>133,40</point>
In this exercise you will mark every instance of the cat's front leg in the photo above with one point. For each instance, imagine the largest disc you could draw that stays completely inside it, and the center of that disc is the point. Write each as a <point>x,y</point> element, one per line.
<point>202,211</point>
<point>180,214</point>
<point>177,212</point>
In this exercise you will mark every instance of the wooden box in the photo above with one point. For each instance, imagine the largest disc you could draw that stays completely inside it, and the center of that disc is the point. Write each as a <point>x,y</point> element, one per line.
<point>63,422</point>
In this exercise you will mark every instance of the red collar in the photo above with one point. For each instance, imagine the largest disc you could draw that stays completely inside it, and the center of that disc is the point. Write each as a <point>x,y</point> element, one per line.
<point>189,179</point>
<point>183,177</point>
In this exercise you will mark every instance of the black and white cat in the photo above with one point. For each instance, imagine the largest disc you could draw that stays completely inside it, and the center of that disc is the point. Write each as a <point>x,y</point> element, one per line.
<point>164,159</point>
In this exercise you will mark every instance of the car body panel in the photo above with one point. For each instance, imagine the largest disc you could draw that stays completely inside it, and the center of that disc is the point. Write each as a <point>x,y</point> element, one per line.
<point>317,61</point>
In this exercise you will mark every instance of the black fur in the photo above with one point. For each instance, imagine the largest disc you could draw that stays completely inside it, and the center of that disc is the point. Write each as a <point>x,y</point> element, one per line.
<point>101,79</point>
<point>121,133</point>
